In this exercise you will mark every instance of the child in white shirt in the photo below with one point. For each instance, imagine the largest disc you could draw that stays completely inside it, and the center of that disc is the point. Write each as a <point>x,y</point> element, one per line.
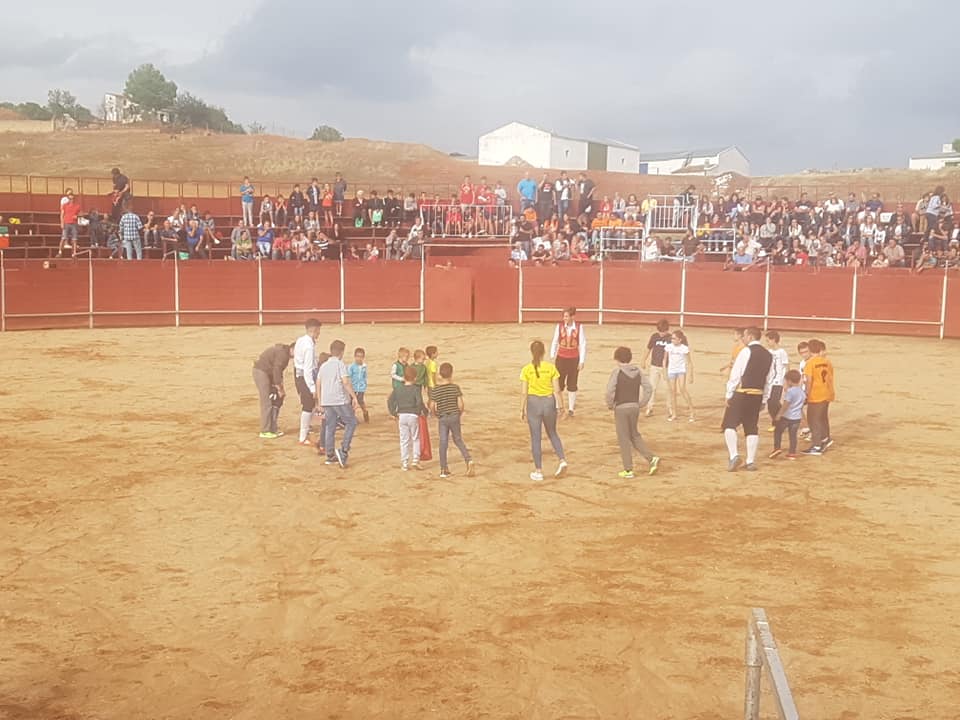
<point>679,372</point>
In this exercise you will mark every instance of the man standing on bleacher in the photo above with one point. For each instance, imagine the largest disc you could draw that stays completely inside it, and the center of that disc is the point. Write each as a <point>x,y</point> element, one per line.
<point>122,196</point>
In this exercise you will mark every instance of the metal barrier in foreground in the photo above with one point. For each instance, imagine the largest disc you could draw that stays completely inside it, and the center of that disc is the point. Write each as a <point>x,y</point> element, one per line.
<point>763,655</point>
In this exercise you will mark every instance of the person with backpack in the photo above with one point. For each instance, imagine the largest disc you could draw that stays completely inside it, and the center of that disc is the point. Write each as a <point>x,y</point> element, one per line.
<point>628,389</point>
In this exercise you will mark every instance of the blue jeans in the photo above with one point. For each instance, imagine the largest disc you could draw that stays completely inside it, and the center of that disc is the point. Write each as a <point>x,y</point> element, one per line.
<point>542,413</point>
<point>131,248</point>
<point>331,415</point>
<point>450,425</point>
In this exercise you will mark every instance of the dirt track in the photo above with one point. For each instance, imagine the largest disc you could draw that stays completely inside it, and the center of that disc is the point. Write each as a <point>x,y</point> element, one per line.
<point>160,561</point>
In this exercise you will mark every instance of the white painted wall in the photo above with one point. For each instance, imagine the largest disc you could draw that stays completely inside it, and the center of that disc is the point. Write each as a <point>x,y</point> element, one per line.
<point>732,160</point>
<point>623,160</point>
<point>664,167</point>
<point>515,139</point>
<point>931,163</point>
<point>567,154</point>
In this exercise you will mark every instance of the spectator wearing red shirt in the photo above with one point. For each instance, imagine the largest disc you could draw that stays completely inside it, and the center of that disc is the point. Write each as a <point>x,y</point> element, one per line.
<point>466,193</point>
<point>282,247</point>
<point>69,217</point>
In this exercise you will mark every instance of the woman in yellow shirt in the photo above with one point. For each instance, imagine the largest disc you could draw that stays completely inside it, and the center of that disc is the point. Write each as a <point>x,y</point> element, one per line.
<point>540,401</point>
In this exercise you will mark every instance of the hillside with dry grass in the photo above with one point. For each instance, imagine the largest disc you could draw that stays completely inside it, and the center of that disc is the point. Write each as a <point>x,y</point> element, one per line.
<point>157,154</point>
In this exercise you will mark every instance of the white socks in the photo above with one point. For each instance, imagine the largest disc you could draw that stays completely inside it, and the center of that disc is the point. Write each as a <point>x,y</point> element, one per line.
<point>730,436</point>
<point>753,442</point>
<point>571,401</point>
<point>305,425</point>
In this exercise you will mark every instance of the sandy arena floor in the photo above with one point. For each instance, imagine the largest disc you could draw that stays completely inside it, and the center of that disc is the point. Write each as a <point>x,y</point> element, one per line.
<point>158,560</point>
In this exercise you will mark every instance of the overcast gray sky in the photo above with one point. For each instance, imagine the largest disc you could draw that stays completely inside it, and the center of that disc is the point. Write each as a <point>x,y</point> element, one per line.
<point>817,84</point>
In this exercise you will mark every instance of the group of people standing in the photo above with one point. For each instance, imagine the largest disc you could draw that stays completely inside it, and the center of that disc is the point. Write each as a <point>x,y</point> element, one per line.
<point>758,376</point>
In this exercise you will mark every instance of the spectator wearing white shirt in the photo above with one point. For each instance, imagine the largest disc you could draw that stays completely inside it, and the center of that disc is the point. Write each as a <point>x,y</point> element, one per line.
<point>304,373</point>
<point>834,208</point>
<point>651,250</point>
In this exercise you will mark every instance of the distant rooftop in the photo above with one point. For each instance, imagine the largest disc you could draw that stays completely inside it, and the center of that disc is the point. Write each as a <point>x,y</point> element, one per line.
<point>683,154</point>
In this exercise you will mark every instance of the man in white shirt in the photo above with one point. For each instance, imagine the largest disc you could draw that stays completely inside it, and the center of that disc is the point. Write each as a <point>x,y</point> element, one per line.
<point>569,349</point>
<point>748,388</point>
<point>339,403</point>
<point>304,374</point>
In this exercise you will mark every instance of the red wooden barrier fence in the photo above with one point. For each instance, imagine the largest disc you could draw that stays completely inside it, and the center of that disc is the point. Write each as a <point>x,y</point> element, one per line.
<point>108,293</point>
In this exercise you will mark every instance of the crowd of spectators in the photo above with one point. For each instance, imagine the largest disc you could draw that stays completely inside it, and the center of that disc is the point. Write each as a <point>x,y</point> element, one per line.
<point>560,219</point>
<point>832,232</point>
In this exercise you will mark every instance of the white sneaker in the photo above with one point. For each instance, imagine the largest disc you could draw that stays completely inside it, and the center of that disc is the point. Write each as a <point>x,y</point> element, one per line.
<point>536,476</point>
<point>404,467</point>
<point>561,469</point>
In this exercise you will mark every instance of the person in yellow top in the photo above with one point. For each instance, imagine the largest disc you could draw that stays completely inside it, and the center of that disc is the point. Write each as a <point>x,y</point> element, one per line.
<point>540,403</point>
<point>818,380</point>
<point>432,367</point>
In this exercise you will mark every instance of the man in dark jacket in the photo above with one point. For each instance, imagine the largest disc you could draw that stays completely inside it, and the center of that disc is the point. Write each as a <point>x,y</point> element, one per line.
<point>628,389</point>
<point>268,377</point>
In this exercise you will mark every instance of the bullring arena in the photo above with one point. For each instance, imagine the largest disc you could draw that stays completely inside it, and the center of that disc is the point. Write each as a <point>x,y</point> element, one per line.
<point>161,561</point>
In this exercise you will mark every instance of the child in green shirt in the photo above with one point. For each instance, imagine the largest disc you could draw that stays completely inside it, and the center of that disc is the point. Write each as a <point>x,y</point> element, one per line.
<point>420,365</point>
<point>396,375</point>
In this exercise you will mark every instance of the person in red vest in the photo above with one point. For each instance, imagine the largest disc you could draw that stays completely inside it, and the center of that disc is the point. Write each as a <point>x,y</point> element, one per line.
<point>569,348</point>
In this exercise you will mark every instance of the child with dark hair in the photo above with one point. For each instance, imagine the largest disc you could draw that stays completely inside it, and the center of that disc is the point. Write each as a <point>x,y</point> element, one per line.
<point>446,401</point>
<point>655,360</point>
<point>679,373</point>
<point>789,414</point>
<point>627,391</point>
<point>540,405</point>
<point>818,376</point>
<point>781,363</point>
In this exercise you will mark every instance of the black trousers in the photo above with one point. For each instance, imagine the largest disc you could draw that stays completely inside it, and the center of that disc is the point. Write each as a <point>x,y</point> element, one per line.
<point>743,409</point>
<point>307,399</point>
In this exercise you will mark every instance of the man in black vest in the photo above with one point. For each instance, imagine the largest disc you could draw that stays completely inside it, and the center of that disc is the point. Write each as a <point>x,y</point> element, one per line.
<point>748,388</point>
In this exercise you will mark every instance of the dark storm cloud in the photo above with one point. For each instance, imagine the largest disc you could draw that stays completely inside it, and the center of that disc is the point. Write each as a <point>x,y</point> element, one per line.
<point>821,84</point>
<point>288,48</point>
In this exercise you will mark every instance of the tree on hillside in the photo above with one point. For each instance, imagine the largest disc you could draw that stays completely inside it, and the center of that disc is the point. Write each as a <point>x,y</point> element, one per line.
<point>191,111</point>
<point>148,88</point>
<point>325,133</point>
<point>956,145</point>
<point>62,103</point>
<point>256,128</point>
<point>28,110</point>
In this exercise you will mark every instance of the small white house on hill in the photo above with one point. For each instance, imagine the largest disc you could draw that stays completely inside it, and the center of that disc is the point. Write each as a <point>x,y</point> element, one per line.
<point>547,150</point>
<point>936,161</point>
<point>701,161</point>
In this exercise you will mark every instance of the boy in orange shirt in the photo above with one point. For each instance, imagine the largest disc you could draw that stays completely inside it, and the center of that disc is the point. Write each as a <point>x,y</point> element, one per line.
<point>818,379</point>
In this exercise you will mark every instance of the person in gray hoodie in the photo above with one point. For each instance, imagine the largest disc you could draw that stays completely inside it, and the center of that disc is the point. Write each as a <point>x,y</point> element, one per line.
<point>628,389</point>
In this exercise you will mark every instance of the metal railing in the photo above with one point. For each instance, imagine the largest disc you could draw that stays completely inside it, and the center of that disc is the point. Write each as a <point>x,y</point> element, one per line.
<point>667,213</point>
<point>454,219</point>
